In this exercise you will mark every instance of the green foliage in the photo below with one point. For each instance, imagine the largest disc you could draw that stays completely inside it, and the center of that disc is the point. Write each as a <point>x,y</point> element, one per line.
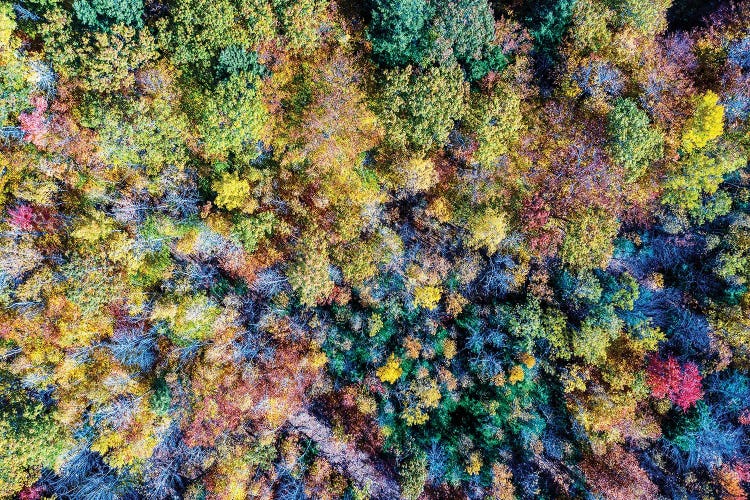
<point>231,118</point>
<point>101,14</point>
<point>497,121</point>
<point>699,173</point>
<point>588,240</point>
<point>309,273</point>
<point>548,23</point>
<point>235,59</point>
<point>418,108</point>
<point>466,26</point>
<point>398,30</point>
<point>634,144</point>
<point>413,473</point>
<point>161,398</point>
<point>30,437</point>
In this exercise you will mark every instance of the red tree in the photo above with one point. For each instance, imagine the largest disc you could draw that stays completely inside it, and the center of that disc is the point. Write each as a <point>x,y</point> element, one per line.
<point>681,384</point>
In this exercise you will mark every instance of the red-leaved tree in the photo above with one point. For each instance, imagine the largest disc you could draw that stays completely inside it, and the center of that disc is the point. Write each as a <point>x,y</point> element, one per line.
<point>681,384</point>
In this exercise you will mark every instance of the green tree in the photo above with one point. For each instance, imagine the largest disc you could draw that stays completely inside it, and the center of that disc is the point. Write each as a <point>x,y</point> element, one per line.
<point>398,31</point>
<point>236,59</point>
<point>588,240</point>
<point>417,108</point>
<point>101,14</point>
<point>699,173</point>
<point>30,438</point>
<point>466,26</point>
<point>200,29</point>
<point>309,274</point>
<point>496,121</point>
<point>413,474</point>
<point>231,118</point>
<point>633,143</point>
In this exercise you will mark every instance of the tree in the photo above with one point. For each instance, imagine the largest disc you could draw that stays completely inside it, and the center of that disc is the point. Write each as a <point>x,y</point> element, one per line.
<point>682,384</point>
<point>487,230</point>
<point>200,29</point>
<point>101,14</point>
<point>398,31</point>
<point>233,192</point>
<point>466,26</point>
<point>699,173</point>
<point>706,124</point>
<point>413,474</point>
<point>496,120</point>
<point>633,143</point>
<point>236,59</point>
<point>232,118</point>
<point>588,240</point>
<point>417,108</point>
<point>30,437</point>
<point>391,371</point>
<point>309,273</point>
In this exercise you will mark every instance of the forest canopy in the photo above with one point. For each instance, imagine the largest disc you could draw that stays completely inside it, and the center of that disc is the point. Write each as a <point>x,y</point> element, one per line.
<point>380,249</point>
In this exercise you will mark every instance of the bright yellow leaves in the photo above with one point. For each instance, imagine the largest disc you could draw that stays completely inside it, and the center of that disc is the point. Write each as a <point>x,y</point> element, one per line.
<point>449,348</point>
<point>427,297</point>
<point>233,193</point>
<point>516,374</point>
<point>422,396</point>
<point>191,319</point>
<point>487,230</point>
<point>707,123</point>
<point>475,464</point>
<point>7,25</point>
<point>391,370</point>
<point>527,359</point>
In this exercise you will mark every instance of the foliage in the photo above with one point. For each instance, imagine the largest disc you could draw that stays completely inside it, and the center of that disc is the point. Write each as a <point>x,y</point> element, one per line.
<point>418,108</point>
<point>634,144</point>
<point>101,14</point>
<point>391,249</point>
<point>706,124</point>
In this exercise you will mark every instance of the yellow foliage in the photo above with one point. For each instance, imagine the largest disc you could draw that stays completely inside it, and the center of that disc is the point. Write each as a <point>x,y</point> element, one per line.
<point>375,324</point>
<point>475,464</point>
<point>391,371</point>
<point>449,348</point>
<point>516,374</point>
<point>7,25</point>
<point>318,358</point>
<point>414,416</point>
<point>440,209</point>
<point>366,404</point>
<point>707,122</point>
<point>94,229</point>
<point>528,360</point>
<point>427,297</point>
<point>416,175</point>
<point>487,230</point>
<point>422,395</point>
<point>233,192</point>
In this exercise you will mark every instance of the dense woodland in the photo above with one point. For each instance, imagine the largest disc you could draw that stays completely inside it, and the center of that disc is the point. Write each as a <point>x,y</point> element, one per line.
<point>320,249</point>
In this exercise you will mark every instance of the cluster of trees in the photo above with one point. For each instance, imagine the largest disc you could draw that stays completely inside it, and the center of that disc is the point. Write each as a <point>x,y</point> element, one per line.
<point>417,249</point>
